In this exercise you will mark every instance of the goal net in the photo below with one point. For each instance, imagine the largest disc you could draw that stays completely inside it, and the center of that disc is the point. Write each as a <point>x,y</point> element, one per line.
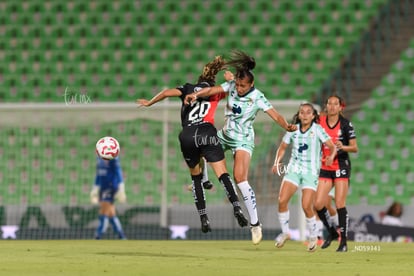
<point>49,168</point>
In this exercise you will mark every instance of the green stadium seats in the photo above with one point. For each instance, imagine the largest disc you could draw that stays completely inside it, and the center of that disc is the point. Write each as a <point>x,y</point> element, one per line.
<point>116,51</point>
<point>147,25</point>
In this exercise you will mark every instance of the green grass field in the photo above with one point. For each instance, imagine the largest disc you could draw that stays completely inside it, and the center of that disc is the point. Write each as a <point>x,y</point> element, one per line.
<point>85,257</point>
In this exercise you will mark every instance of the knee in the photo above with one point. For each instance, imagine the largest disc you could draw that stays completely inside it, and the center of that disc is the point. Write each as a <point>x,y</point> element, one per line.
<point>238,178</point>
<point>318,204</point>
<point>308,211</point>
<point>283,204</point>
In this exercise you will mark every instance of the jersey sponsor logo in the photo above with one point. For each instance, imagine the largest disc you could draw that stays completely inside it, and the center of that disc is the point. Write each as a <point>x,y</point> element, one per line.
<point>303,147</point>
<point>236,109</point>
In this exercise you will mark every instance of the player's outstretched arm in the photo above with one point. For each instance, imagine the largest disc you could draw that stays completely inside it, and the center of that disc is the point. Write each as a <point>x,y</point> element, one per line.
<point>205,92</point>
<point>173,92</point>
<point>280,120</point>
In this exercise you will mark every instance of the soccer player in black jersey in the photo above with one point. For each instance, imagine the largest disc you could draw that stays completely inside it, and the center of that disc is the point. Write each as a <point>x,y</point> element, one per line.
<point>198,139</point>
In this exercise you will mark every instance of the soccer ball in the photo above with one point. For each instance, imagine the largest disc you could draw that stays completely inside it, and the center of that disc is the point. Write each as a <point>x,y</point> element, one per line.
<point>107,148</point>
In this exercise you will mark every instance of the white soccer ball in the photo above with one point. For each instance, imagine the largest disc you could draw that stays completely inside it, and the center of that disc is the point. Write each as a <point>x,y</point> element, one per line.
<point>107,148</point>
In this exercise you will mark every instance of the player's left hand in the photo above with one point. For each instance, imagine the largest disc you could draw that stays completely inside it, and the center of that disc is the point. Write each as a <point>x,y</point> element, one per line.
<point>94,195</point>
<point>228,76</point>
<point>120,195</point>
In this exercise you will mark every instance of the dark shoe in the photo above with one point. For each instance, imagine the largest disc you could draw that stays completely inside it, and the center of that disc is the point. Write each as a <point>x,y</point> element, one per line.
<point>238,214</point>
<point>205,225</point>
<point>342,247</point>
<point>331,237</point>
<point>207,185</point>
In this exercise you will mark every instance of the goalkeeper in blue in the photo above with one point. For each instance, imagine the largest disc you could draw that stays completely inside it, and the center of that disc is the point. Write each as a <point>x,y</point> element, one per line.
<point>109,186</point>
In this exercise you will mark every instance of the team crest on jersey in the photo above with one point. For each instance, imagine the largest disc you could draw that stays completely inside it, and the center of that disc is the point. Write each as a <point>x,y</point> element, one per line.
<point>311,134</point>
<point>339,133</point>
<point>236,109</point>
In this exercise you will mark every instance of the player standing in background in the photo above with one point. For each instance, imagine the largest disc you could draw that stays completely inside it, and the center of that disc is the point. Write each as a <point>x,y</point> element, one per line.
<point>243,103</point>
<point>109,186</point>
<point>337,174</point>
<point>302,170</point>
<point>198,139</point>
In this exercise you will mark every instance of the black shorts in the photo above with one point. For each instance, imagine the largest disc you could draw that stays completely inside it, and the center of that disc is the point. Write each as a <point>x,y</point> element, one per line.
<point>344,172</point>
<point>200,141</point>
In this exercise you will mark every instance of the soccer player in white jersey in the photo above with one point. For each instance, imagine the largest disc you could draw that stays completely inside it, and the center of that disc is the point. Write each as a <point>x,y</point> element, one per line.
<point>198,139</point>
<point>302,170</point>
<point>244,100</point>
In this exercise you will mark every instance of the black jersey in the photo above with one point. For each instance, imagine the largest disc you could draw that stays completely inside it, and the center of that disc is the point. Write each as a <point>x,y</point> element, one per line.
<point>201,111</point>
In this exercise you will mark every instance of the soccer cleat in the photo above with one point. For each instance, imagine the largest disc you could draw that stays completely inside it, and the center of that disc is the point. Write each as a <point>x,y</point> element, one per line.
<point>205,224</point>
<point>238,214</point>
<point>207,185</point>
<point>342,247</point>
<point>256,234</point>
<point>312,244</point>
<point>281,239</point>
<point>333,235</point>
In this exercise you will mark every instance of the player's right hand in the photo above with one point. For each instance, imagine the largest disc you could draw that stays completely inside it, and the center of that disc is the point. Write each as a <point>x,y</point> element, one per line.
<point>291,128</point>
<point>190,98</point>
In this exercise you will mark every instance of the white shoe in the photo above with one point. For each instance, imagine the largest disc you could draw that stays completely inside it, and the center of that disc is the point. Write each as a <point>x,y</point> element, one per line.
<point>312,244</point>
<point>281,239</point>
<point>256,234</point>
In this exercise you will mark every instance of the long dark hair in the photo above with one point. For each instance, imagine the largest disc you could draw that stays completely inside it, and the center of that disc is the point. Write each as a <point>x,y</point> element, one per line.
<point>211,69</point>
<point>243,63</point>
<point>296,120</point>
<point>391,210</point>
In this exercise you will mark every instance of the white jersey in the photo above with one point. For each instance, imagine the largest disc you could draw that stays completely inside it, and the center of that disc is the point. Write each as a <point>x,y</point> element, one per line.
<point>240,112</point>
<point>306,149</point>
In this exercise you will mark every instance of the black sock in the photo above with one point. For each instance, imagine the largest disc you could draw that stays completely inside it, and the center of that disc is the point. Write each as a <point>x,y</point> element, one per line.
<point>343,222</point>
<point>198,194</point>
<point>227,183</point>
<point>324,215</point>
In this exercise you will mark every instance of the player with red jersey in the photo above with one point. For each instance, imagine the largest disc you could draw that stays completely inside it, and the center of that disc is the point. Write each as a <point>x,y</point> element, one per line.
<point>338,173</point>
<point>198,139</point>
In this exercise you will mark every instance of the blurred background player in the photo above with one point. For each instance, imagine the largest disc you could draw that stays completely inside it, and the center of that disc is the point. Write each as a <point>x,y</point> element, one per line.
<point>109,186</point>
<point>244,101</point>
<point>338,173</point>
<point>302,170</point>
<point>197,120</point>
<point>393,215</point>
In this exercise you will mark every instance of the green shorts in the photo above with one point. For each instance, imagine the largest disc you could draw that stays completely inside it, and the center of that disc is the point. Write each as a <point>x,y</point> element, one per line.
<point>302,180</point>
<point>234,145</point>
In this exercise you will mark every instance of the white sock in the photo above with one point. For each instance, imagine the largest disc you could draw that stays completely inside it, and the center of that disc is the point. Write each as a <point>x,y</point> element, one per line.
<point>249,199</point>
<point>205,171</point>
<point>319,225</point>
<point>334,220</point>
<point>284,221</point>
<point>312,228</point>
